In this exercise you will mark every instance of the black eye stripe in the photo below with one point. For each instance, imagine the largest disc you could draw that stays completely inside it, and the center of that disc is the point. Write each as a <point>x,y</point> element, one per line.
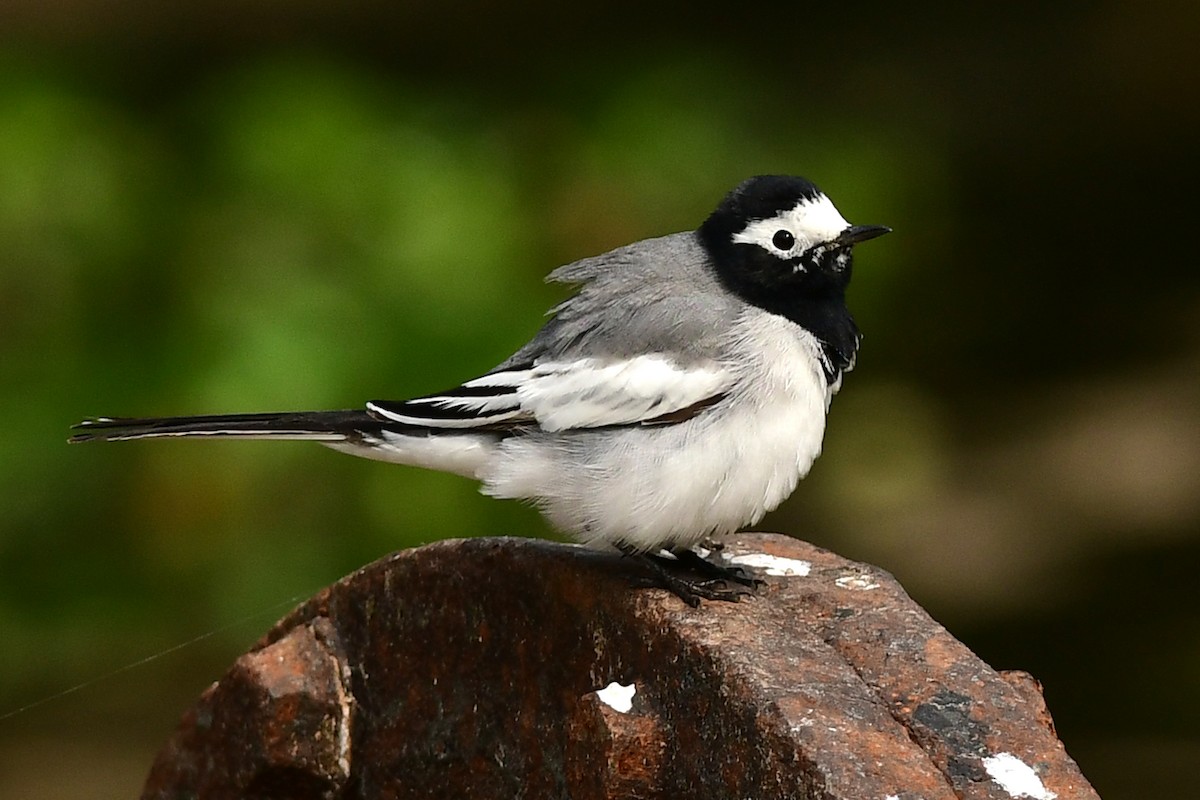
<point>783,240</point>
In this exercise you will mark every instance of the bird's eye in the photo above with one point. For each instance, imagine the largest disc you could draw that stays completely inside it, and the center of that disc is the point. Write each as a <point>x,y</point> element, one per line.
<point>783,240</point>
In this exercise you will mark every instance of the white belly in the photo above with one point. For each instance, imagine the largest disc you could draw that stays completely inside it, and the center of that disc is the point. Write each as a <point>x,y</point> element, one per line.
<point>673,485</point>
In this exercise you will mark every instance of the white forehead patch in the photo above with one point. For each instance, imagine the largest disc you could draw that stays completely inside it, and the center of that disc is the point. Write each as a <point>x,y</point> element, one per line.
<point>810,222</point>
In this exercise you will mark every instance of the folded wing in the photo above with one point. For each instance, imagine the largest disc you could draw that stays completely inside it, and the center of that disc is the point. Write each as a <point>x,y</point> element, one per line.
<point>560,395</point>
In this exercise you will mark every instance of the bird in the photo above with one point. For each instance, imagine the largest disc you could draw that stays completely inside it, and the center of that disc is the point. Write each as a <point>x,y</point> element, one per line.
<point>678,394</point>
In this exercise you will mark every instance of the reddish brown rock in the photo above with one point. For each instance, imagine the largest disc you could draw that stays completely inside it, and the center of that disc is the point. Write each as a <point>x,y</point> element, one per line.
<point>277,725</point>
<point>614,754</point>
<point>470,669</point>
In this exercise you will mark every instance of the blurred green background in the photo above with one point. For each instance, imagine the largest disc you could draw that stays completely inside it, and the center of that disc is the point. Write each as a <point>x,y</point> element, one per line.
<point>269,206</point>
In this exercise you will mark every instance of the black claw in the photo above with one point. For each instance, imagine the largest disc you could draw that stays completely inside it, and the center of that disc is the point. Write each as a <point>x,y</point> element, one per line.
<point>671,574</point>
<point>691,559</point>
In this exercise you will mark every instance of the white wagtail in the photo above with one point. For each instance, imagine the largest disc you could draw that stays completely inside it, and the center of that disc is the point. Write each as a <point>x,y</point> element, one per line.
<point>679,394</point>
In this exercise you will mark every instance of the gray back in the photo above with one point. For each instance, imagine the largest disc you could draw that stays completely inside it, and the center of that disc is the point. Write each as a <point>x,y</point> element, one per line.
<point>657,295</point>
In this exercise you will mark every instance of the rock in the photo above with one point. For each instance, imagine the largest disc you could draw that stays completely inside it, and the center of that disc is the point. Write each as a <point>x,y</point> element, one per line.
<point>484,668</point>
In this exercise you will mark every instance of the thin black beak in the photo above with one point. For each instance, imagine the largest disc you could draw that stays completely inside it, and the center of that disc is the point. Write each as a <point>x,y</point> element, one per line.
<point>860,233</point>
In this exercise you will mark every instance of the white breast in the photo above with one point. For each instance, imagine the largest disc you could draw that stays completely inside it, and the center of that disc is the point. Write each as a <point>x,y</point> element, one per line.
<point>658,486</point>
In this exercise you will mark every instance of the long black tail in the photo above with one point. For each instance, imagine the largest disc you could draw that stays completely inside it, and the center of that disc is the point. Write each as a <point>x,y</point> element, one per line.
<point>322,426</point>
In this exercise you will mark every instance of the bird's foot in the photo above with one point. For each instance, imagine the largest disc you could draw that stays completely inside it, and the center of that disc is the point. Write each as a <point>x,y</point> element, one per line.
<point>693,591</point>
<point>697,563</point>
<point>727,584</point>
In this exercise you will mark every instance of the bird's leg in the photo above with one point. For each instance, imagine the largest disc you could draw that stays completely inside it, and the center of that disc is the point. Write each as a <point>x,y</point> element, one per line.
<point>663,574</point>
<point>697,563</point>
<point>717,546</point>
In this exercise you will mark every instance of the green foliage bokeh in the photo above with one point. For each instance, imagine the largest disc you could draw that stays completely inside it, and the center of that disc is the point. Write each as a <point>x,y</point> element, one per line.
<point>341,204</point>
<point>292,234</point>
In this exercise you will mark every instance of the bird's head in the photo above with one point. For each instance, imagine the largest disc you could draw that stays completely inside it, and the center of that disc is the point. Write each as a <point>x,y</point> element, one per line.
<point>778,239</point>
